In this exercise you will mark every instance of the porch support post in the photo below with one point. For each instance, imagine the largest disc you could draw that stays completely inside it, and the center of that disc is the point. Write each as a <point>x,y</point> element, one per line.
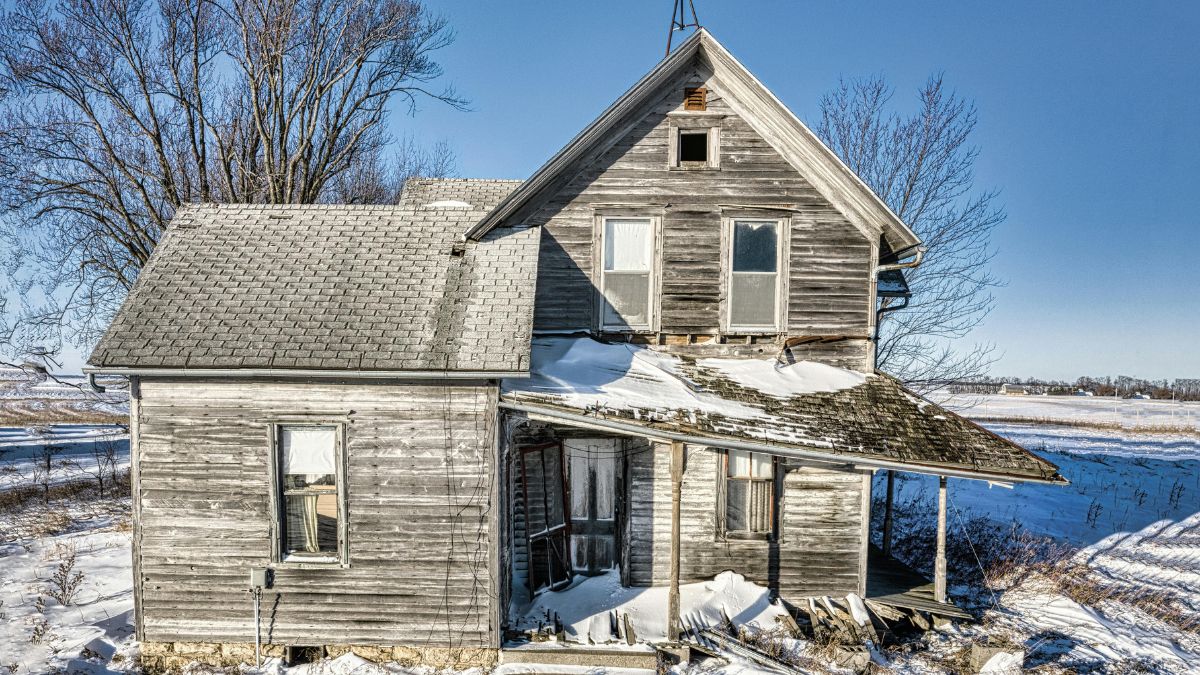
<point>939,567</point>
<point>673,628</point>
<point>887,513</point>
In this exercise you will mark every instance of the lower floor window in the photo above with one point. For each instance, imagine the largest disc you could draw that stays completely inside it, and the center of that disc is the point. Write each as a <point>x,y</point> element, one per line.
<point>749,493</point>
<point>310,492</point>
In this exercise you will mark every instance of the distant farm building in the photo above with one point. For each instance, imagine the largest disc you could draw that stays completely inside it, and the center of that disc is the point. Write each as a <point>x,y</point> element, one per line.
<point>1014,390</point>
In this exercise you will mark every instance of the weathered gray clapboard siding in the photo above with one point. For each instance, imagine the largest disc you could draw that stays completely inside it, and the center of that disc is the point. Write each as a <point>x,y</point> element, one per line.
<point>829,280</point>
<point>857,354</point>
<point>819,553</point>
<point>420,468</point>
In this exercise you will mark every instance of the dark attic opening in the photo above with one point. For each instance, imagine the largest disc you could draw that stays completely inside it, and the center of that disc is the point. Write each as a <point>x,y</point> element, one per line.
<point>693,146</point>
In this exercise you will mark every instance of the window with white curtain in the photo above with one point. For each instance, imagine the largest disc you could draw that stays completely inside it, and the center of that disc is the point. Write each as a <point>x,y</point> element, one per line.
<point>753,293</point>
<point>309,492</point>
<point>749,493</point>
<point>626,277</point>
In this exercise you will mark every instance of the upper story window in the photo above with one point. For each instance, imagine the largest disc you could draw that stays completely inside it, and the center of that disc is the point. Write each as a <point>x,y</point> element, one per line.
<point>627,274</point>
<point>309,494</point>
<point>754,294</point>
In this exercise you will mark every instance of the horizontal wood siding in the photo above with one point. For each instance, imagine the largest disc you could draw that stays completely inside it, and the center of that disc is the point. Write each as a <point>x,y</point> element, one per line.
<point>419,466</point>
<point>822,533</point>
<point>820,510</point>
<point>830,259</point>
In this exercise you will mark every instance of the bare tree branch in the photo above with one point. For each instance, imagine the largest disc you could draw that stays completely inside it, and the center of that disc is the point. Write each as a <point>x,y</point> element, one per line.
<point>922,166</point>
<point>114,113</point>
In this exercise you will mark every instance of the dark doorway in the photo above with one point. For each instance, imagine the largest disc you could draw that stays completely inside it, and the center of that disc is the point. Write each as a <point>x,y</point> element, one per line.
<point>547,528</point>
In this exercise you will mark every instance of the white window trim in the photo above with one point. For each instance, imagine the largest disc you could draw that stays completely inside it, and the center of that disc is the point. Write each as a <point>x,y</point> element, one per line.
<point>678,127</point>
<point>341,559</point>
<point>653,302</point>
<point>782,271</point>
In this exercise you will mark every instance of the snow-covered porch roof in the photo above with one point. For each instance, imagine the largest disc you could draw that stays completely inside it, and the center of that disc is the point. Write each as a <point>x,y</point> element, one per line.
<point>803,410</point>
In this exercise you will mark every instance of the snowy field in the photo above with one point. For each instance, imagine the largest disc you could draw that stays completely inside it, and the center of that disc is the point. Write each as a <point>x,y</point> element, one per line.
<point>1079,410</point>
<point>1132,512</point>
<point>30,398</point>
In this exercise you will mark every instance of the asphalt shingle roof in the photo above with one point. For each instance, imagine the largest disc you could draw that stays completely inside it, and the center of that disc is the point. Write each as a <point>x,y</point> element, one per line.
<point>370,288</point>
<point>876,419</point>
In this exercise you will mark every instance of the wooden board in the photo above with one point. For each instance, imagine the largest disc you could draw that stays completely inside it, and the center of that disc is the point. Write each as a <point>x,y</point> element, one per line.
<point>420,469</point>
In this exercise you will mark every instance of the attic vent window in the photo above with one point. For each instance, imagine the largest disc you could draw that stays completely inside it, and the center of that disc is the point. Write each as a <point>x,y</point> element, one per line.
<point>695,98</point>
<point>693,147</point>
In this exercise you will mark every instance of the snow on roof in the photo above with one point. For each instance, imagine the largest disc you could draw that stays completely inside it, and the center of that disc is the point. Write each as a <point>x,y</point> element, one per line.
<point>584,373</point>
<point>802,406</point>
<point>449,204</point>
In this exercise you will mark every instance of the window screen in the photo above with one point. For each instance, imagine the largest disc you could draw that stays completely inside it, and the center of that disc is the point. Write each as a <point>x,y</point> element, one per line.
<point>749,492</point>
<point>308,478</point>
<point>754,274</point>
<point>628,249</point>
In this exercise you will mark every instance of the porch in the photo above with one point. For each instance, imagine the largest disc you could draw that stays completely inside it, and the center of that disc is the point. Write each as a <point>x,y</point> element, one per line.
<point>892,583</point>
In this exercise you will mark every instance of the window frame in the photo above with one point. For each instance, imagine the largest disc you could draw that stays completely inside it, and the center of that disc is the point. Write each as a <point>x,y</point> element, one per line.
<point>723,478</point>
<point>782,272</point>
<point>694,123</point>
<point>278,511</point>
<point>655,272</point>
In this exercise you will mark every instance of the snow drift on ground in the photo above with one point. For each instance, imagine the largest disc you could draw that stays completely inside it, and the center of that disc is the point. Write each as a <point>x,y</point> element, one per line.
<point>85,636</point>
<point>583,608</point>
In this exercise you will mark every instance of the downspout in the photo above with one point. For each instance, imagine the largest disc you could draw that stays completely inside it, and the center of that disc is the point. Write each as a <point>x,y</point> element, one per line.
<point>917,260</point>
<point>96,386</point>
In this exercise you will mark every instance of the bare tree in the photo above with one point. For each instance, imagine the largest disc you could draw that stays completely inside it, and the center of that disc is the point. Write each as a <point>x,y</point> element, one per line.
<point>922,165</point>
<point>114,113</point>
<point>379,178</point>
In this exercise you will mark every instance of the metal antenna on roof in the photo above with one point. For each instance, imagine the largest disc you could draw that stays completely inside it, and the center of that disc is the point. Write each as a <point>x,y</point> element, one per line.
<point>679,20</point>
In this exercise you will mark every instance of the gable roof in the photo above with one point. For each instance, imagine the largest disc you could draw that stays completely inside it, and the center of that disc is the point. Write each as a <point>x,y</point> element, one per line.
<point>804,410</point>
<point>761,109</point>
<point>256,289</point>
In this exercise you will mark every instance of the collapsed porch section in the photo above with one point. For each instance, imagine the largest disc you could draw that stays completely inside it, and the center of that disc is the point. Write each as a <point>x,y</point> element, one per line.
<point>658,470</point>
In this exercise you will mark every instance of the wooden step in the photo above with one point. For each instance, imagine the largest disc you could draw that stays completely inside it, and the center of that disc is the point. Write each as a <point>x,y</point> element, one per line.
<point>642,658</point>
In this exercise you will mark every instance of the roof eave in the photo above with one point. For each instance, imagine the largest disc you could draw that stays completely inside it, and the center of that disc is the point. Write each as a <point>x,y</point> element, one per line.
<point>305,373</point>
<point>630,427</point>
<point>577,145</point>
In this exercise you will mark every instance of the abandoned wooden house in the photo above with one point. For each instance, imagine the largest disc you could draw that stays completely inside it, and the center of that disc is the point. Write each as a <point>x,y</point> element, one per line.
<point>652,362</point>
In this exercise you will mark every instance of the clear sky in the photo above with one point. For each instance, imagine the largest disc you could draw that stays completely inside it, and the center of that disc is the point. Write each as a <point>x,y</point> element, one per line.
<point>1089,123</point>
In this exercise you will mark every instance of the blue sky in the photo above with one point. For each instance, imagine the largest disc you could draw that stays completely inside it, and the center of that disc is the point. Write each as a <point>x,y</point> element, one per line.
<point>1089,123</point>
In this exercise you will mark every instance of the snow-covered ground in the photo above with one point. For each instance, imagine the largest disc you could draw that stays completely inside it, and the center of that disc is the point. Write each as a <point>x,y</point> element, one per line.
<point>1132,508</point>
<point>75,451</point>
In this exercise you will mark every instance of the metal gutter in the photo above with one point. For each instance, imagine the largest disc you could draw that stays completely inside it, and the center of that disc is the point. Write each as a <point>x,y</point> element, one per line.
<point>631,429</point>
<point>319,374</point>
